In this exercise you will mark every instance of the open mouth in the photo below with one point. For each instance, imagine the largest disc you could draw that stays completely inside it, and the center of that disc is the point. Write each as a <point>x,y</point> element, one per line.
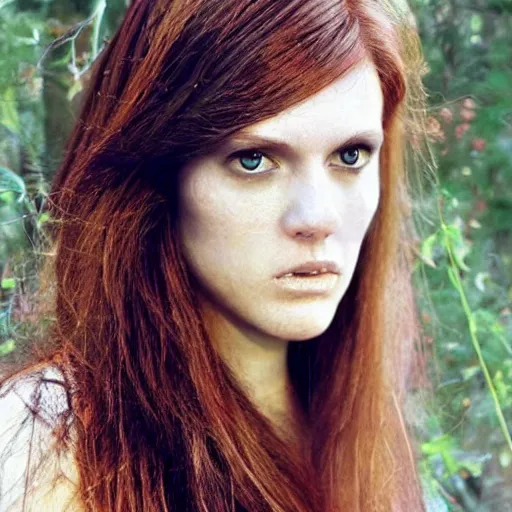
<point>307,274</point>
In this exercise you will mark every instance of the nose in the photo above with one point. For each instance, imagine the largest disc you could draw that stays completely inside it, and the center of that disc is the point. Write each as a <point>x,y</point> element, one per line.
<point>314,210</point>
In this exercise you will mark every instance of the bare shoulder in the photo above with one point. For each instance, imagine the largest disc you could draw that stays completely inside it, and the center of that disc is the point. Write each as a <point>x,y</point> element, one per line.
<point>48,495</point>
<point>35,473</point>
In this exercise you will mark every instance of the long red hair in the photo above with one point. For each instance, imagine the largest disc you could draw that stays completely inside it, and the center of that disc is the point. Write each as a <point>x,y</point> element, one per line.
<point>158,421</point>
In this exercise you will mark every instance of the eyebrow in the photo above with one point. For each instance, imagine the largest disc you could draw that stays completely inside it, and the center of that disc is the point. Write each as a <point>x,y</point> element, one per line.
<point>372,137</point>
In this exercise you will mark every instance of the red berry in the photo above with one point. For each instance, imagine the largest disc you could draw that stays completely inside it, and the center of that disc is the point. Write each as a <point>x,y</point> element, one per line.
<point>478,144</point>
<point>461,129</point>
<point>467,115</point>
<point>469,103</point>
<point>446,115</point>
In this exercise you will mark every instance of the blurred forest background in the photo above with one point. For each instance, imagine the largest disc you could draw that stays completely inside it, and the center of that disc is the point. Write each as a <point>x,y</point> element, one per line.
<point>464,254</point>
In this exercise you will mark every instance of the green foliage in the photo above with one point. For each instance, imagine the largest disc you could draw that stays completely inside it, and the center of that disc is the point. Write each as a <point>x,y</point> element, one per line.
<point>466,259</point>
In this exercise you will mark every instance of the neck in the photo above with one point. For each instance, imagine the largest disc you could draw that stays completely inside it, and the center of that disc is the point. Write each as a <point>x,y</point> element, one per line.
<point>259,363</point>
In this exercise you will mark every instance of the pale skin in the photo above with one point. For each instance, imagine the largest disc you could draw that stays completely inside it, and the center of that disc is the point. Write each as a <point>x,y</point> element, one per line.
<point>245,217</point>
<point>239,229</point>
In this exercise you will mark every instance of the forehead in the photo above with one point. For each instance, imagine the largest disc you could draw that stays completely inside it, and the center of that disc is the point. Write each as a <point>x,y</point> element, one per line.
<point>350,105</point>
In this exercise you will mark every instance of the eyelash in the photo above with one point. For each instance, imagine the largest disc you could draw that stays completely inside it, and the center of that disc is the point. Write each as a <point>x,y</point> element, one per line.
<point>352,170</point>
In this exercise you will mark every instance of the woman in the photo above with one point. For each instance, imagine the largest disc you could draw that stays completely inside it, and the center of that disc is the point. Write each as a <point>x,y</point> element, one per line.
<point>222,145</point>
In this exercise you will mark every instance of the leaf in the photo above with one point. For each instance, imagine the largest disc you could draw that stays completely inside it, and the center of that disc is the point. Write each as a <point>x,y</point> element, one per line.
<point>460,248</point>
<point>7,197</point>
<point>503,389</point>
<point>480,280</point>
<point>44,217</point>
<point>8,283</point>
<point>505,458</point>
<point>12,182</point>
<point>427,249</point>
<point>438,445</point>
<point>470,372</point>
<point>7,347</point>
<point>74,89</point>
<point>476,23</point>
<point>8,110</point>
<point>442,445</point>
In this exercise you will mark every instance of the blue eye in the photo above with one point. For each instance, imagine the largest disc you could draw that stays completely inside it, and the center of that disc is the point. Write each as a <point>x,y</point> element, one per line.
<point>350,156</point>
<point>355,156</point>
<point>252,161</point>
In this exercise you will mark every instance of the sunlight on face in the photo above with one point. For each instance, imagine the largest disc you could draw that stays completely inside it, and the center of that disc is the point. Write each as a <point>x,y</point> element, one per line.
<point>298,187</point>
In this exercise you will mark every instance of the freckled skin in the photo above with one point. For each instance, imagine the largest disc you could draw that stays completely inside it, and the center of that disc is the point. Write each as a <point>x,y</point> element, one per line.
<point>238,230</point>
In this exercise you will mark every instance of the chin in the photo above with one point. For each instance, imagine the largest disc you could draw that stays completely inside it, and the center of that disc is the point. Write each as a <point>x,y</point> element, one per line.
<point>303,328</point>
<point>307,335</point>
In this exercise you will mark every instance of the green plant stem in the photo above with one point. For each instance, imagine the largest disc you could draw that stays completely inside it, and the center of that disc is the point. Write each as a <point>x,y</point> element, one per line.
<point>98,16</point>
<point>455,279</point>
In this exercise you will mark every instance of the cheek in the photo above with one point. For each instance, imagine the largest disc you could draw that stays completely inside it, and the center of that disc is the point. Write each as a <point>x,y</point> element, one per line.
<point>200,214</point>
<point>371,194</point>
<point>215,209</point>
<point>217,226</point>
<point>362,205</point>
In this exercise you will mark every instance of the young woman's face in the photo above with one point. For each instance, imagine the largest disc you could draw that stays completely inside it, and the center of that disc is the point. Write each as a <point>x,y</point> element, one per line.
<point>302,186</point>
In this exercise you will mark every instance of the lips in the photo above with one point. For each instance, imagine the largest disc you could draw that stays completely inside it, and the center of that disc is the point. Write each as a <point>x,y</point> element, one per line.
<point>311,268</point>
